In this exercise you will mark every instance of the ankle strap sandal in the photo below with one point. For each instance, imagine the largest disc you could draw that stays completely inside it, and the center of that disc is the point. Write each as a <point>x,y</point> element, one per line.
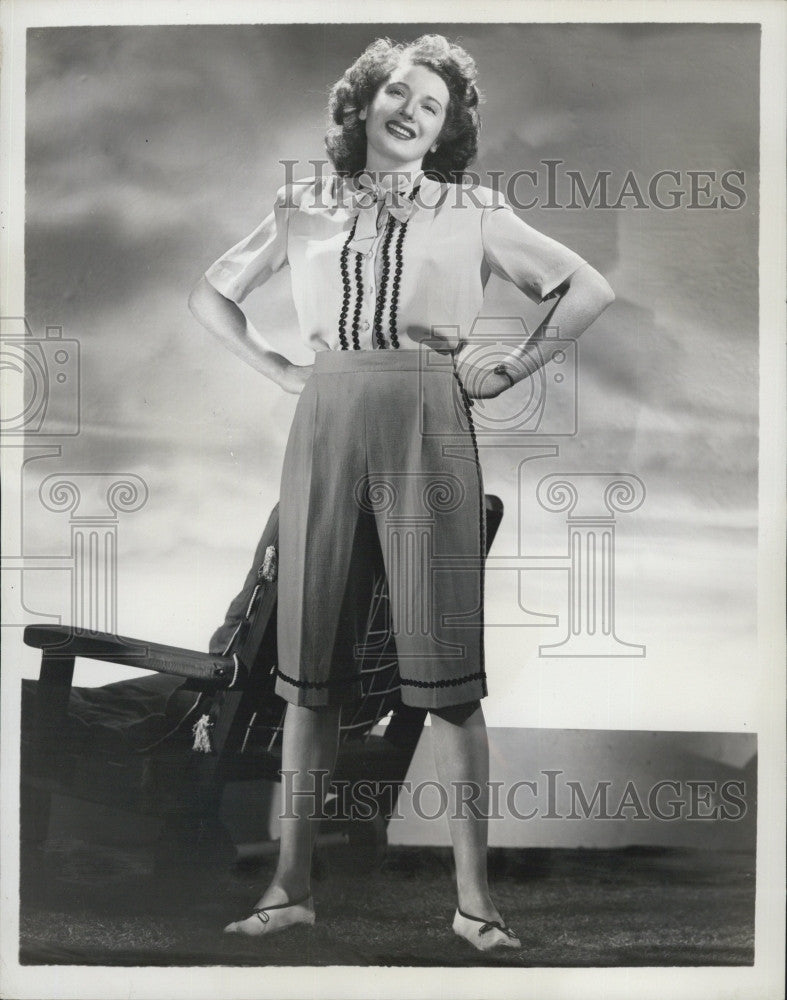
<point>484,934</point>
<point>262,911</point>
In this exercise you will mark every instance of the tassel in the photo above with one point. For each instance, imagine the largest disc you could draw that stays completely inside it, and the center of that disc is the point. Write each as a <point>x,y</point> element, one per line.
<point>269,565</point>
<point>201,730</point>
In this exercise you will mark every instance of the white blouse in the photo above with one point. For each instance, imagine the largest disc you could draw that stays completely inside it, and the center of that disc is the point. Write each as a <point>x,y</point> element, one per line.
<point>456,237</point>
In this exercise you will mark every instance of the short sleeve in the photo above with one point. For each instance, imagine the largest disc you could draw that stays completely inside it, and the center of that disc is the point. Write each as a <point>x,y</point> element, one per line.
<point>535,263</point>
<point>251,262</point>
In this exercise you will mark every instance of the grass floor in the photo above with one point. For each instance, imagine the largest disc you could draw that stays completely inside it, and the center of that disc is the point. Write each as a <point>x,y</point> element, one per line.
<point>93,905</point>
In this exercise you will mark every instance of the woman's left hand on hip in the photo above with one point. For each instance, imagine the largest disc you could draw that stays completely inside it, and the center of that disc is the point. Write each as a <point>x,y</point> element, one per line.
<point>483,382</point>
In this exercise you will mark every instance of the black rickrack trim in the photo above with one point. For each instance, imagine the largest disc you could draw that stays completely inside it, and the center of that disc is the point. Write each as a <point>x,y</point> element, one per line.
<point>396,283</point>
<point>297,682</point>
<point>446,682</point>
<point>481,499</point>
<point>380,303</point>
<point>346,290</point>
<point>358,299</point>
<point>398,276</point>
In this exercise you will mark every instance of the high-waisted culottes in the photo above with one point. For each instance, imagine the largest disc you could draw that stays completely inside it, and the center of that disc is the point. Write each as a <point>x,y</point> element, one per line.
<point>381,470</point>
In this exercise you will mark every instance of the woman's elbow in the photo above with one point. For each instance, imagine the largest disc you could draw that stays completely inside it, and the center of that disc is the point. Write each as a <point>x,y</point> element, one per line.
<point>602,288</point>
<point>594,286</point>
<point>606,292</point>
<point>199,296</point>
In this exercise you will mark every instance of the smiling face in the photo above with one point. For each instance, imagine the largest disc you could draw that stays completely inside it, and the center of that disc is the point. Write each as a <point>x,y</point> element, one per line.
<point>405,118</point>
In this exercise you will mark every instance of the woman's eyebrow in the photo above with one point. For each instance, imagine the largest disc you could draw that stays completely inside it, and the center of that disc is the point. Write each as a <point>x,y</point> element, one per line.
<point>401,83</point>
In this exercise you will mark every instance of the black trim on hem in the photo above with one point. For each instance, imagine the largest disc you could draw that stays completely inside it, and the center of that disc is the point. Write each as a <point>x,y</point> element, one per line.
<point>332,682</point>
<point>445,682</point>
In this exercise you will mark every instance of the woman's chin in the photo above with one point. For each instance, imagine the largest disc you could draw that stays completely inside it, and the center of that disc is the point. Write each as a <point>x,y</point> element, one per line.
<point>399,151</point>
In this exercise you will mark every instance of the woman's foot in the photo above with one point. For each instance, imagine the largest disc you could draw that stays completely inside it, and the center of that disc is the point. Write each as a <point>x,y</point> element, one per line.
<point>484,934</point>
<point>477,901</point>
<point>272,917</point>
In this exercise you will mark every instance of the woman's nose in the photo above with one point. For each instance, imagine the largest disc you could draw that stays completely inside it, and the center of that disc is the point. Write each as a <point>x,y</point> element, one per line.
<point>406,111</point>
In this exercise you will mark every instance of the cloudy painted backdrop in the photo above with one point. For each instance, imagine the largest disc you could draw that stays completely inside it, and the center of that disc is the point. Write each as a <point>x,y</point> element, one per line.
<point>150,150</point>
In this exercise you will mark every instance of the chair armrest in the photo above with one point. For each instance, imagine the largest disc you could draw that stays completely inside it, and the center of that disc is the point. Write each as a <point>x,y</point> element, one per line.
<point>65,641</point>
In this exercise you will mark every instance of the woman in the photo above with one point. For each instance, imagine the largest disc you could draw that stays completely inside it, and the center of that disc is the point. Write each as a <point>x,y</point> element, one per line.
<point>389,256</point>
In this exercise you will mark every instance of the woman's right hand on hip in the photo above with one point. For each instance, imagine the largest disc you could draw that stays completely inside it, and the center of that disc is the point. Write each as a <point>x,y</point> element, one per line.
<point>295,377</point>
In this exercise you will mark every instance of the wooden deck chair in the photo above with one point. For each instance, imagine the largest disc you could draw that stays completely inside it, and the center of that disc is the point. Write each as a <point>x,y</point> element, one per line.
<point>168,744</point>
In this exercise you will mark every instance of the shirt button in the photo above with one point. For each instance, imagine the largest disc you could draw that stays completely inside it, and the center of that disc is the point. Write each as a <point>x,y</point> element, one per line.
<point>365,325</point>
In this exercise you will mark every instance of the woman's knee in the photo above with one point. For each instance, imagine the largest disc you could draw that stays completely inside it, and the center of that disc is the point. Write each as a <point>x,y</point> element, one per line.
<point>313,715</point>
<point>459,714</point>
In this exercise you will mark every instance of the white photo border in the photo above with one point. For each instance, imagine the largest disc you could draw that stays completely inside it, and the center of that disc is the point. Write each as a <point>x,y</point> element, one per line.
<point>762,981</point>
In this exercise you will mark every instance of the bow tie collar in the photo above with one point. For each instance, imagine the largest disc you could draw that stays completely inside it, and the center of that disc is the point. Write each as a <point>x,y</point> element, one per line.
<point>394,192</point>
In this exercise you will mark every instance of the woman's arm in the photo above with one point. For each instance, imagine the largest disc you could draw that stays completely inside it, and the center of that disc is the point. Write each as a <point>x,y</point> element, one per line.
<point>226,320</point>
<point>587,294</point>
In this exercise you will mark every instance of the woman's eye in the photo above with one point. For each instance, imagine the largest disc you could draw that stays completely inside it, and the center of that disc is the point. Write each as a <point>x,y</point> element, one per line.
<point>429,108</point>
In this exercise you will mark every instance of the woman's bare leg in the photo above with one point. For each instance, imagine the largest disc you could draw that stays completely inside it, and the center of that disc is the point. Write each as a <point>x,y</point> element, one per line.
<point>309,744</point>
<point>461,752</point>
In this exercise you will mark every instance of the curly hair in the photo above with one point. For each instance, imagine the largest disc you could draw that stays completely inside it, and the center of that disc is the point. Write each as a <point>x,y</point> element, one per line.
<point>345,140</point>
